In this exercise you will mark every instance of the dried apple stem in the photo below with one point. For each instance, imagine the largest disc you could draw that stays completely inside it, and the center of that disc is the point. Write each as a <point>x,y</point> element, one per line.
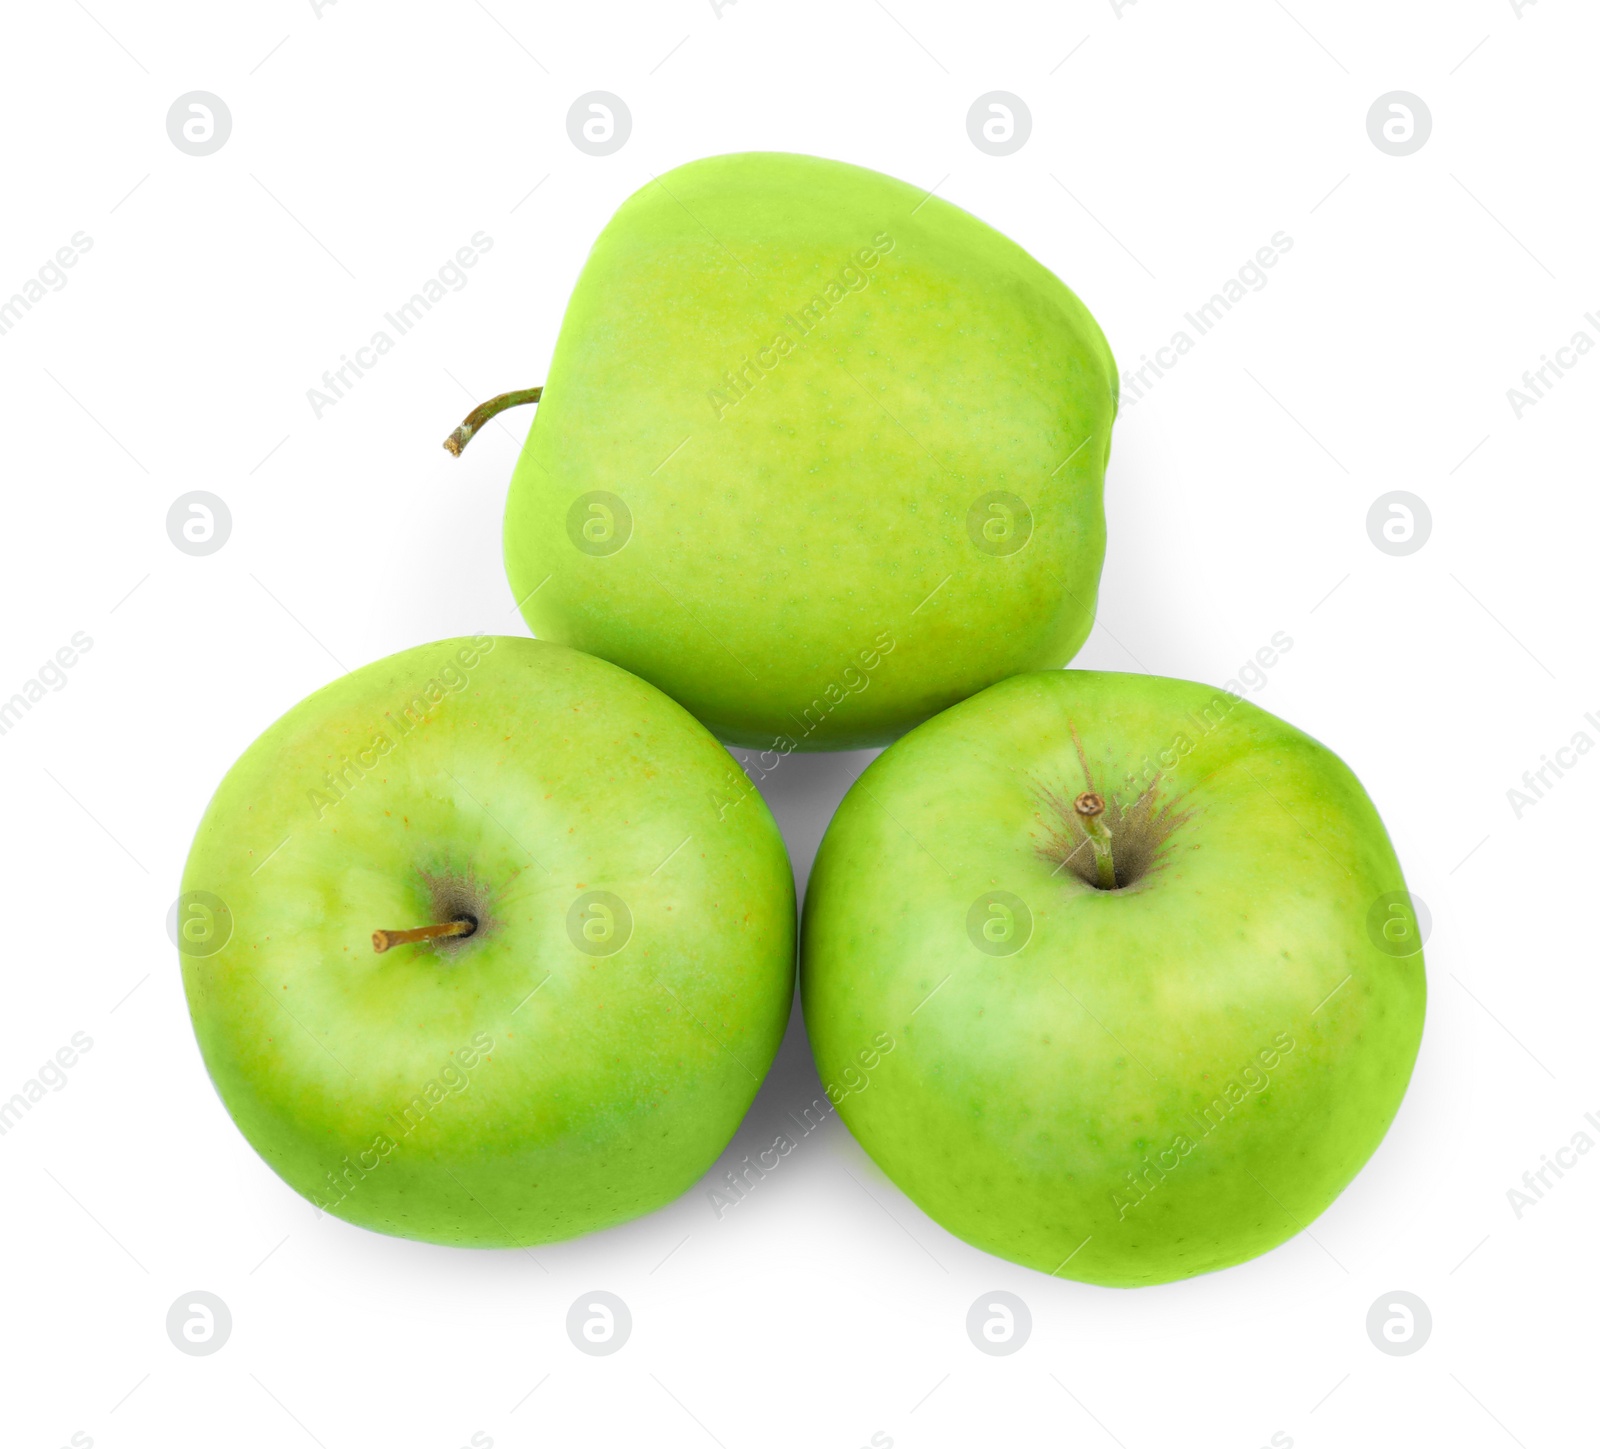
<point>383,940</point>
<point>1090,808</point>
<point>483,412</point>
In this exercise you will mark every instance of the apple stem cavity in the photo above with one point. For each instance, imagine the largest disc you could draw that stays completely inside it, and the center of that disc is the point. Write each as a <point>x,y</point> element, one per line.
<point>384,940</point>
<point>483,412</point>
<point>1090,808</point>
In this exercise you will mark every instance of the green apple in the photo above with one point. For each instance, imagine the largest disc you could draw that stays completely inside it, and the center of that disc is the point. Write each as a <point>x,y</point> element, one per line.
<point>818,454</point>
<point>607,957</point>
<point>1122,1079</point>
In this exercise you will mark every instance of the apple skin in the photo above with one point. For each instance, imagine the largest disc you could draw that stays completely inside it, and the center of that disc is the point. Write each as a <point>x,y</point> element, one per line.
<point>801,566</point>
<point>539,774</point>
<point>1033,1103</point>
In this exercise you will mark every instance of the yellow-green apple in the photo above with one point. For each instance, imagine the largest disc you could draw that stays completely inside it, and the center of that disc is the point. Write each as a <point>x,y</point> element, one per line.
<point>818,453</point>
<point>476,951</point>
<point>1149,962</point>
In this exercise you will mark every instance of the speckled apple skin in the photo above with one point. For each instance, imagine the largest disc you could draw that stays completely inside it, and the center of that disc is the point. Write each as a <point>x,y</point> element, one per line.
<point>803,379</point>
<point>1236,999</point>
<point>512,1088</point>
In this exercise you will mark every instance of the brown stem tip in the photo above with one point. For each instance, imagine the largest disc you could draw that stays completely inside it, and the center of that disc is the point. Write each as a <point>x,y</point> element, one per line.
<point>483,412</point>
<point>383,940</point>
<point>1090,808</point>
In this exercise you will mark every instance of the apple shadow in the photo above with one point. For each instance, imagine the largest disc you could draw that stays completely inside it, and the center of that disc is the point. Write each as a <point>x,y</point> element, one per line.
<point>802,792</point>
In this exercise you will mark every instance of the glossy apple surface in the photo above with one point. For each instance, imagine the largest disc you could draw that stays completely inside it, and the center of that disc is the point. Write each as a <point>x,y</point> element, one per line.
<point>1123,1086</point>
<point>580,1058</point>
<point>818,454</point>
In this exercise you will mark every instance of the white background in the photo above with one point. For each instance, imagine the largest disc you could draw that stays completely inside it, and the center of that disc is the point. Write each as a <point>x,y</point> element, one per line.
<point>1169,142</point>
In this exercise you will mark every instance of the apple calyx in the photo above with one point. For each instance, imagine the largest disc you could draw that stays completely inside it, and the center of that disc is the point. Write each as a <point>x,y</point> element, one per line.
<point>385,940</point>
<point>1089,808</point>
<point>483,412</point>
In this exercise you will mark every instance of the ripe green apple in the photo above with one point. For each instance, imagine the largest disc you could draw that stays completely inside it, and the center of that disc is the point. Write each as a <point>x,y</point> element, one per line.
<point>1121,1085</point>
<point>818,454</point>
<point>585,1044</point>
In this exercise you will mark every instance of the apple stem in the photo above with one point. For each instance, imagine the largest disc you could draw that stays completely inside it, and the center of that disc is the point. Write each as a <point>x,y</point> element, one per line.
<point>383,940</point>
<point>1090,808</point>
<point>483,412</point>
